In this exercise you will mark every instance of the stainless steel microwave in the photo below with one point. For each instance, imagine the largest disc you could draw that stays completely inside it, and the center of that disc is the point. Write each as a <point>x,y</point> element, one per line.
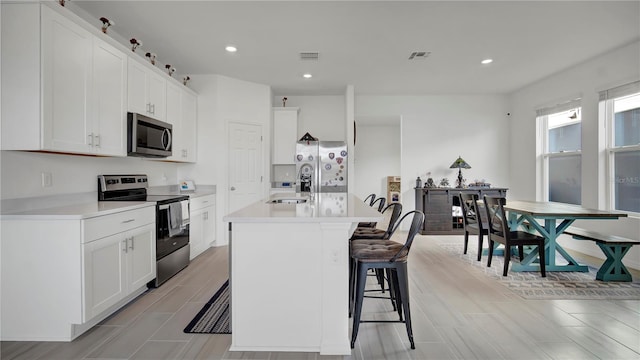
<point>147,137</point>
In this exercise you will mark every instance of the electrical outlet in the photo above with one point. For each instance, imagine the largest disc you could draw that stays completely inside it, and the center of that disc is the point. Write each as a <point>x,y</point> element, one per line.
<point>47,179</point>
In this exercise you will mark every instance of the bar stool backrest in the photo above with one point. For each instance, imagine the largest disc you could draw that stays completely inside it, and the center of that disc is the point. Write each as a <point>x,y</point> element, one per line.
<point>396,210</point>
<point>380,201</point>
<point>369,199</point>
<point>416,225</point>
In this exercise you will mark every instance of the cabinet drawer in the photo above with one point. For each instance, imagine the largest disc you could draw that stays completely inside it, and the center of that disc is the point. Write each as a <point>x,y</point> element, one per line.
<point>202,202</point>
<point>99,227</point>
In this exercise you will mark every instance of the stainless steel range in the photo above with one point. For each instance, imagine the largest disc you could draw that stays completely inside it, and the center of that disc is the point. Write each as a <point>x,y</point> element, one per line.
<point>172,220</point>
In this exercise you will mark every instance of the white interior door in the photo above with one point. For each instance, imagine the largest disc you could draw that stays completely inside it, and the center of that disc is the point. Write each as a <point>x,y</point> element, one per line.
<point>245,165</point>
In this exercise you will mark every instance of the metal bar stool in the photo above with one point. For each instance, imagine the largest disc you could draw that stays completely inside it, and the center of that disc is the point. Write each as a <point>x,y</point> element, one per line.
<point>386,255</point>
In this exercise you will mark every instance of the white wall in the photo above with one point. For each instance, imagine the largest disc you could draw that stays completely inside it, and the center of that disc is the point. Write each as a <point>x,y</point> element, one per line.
<point>222,100</point>
<point>584,80</point>
<point>21,172</point>
<point>321,116</point>
<point>377,155</point>
<point>436,129</point>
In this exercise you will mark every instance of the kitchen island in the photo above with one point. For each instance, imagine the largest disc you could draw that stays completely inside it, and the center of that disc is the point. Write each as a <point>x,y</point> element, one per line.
<point>289,273</point>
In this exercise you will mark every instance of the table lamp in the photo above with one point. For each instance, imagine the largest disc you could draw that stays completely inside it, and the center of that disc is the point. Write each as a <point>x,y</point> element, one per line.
<point>460,164</point>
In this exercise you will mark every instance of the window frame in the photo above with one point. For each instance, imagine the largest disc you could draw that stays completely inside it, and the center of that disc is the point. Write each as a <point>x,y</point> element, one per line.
<point>611,150</point>
<point>544,155</point>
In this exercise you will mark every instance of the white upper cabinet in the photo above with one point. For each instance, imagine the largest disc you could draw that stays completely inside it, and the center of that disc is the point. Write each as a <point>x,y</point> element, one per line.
<point>109,114</point>
<point>181,113</point>
<point>285,133</point>
<point>189,126</point>
<point>67,86</point>
<point>147,91</point>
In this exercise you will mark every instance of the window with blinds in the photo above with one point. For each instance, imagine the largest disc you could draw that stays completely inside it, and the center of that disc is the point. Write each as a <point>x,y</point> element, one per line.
<point>560,139</point>
<point>621,109</point>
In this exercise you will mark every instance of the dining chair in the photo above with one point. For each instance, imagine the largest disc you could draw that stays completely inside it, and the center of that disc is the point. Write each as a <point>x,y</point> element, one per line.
<point>391,256</point>
<point>500,232</point>
<point>473,220</point>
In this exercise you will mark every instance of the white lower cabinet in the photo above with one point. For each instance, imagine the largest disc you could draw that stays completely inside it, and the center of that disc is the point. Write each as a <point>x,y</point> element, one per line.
<point>60,276</point>
<point>202,228</point>
<point>115,266</point>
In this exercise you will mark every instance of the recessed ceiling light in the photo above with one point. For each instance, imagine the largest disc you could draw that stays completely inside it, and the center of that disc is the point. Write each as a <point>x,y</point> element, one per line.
<point>307,76</point>
<point>486,61</point>
<point>231,48</point>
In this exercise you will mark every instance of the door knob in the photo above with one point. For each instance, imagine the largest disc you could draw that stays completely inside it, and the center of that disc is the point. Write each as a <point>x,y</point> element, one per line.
<point>233,188</point>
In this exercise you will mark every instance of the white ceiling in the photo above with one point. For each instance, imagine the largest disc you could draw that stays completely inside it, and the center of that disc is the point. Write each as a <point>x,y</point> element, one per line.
<point>367,43</point>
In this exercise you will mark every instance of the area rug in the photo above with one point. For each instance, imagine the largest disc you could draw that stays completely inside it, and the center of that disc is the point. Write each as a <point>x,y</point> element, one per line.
<point>214,316</point>
<point>557,285</point>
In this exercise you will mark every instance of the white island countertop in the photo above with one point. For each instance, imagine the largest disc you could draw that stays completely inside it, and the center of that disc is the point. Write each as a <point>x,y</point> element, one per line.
<point>324,207</point>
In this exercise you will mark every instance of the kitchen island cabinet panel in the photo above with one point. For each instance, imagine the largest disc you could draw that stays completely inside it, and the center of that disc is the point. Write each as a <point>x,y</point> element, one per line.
<point>437,205</point>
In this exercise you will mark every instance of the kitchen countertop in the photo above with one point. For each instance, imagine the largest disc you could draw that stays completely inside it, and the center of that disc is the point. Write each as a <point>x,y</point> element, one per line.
<point>78,211</point>
<point>326,207</point>
<point>79,206</point>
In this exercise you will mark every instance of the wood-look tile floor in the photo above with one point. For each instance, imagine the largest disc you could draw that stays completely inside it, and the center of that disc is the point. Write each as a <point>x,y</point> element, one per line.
<point>457,314</point>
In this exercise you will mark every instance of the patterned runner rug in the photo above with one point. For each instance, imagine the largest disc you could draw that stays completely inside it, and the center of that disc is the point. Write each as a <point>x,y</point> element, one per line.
<point>557,285</point>
<point>214,316</point>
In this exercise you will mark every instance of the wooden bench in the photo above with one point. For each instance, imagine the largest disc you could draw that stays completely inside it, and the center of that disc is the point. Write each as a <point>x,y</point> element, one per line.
<point>614,247</point>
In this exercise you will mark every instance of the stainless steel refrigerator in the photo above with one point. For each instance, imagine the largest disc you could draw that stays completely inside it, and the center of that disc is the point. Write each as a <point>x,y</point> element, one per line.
<point>321,166</point>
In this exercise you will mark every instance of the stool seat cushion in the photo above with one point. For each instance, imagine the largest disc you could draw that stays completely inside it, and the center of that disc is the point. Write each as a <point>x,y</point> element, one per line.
<point>377,250</point>
<point>373,233</point>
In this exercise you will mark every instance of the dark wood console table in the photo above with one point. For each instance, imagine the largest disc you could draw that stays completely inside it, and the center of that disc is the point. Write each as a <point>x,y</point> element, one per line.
<point>437,203</point>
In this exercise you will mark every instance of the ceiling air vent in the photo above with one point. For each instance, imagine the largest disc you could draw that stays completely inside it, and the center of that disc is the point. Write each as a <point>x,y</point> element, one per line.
<point>309,56</point>
<point>416,55</point>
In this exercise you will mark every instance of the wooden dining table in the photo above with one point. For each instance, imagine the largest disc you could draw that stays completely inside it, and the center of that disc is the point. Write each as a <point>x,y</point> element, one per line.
<point>556,218</point>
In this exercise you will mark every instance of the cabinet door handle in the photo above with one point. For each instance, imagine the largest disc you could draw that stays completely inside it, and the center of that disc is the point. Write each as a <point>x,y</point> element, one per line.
<point>128,221</point>
<point>148,108</point>
<point>97,142</point>
<point>131,247</point>
<point>125,245</point>
<point>153,109</point>
<point>90,137</point>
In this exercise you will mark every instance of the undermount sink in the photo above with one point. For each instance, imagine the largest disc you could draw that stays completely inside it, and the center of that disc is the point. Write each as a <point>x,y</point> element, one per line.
<point>295,200</point>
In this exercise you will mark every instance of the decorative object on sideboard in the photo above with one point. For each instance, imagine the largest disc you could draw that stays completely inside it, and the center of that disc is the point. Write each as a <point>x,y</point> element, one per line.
<point>152,57</point>
<point>429,183</point>
<point>170,70</point>
<point>134,44</point>
<point>418,182</point>
<point>62,2</point>
<point>105,24</point>
<point>185,80</point>
<point>284,101</point>
<point>479,184</point>
<point>460,164</point>
<point>444,182</point>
